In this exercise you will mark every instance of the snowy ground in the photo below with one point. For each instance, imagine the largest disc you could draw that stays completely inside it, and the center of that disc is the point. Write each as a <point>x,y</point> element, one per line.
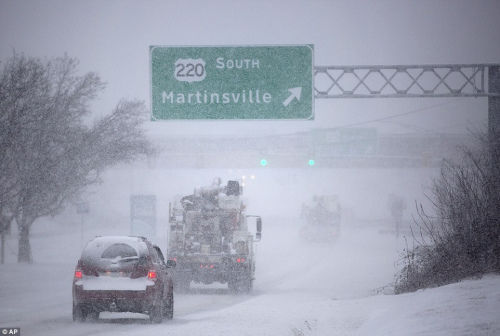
<point>301,289</point>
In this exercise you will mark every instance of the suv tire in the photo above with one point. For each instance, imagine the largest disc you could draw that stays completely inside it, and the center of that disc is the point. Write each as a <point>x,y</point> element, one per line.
<point>169,306</point>
<point>157,311</point>
<point>79,313</point>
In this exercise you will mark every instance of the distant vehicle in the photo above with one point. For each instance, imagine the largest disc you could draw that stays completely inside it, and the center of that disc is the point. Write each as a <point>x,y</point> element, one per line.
<point>210,240</point>
<point>321,219</point>
<point>122,274</point>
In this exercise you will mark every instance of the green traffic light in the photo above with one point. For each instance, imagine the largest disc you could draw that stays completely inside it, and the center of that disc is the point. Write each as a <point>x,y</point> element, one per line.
<point>263,162</point>
<point>311,162</point>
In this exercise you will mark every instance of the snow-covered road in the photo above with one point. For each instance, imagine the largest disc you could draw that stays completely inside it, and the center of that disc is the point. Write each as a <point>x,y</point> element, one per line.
<point>301,289</point>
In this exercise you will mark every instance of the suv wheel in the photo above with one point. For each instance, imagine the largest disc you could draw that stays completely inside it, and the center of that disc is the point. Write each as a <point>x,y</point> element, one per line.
<point>157,311</point>
<point>79,313</point>
<point>169,306</point>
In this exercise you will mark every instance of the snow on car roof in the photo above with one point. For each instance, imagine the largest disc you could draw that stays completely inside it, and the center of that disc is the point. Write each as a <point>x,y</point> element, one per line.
<point>96,246</point>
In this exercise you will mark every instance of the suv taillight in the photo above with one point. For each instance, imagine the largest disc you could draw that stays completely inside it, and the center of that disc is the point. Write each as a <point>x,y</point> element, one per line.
<point>83,268</point>
<point>152,275</point>
<point>78,274</point>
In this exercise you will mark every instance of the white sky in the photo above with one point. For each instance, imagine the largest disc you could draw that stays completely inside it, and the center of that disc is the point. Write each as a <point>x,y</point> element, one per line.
<point>112,38</point>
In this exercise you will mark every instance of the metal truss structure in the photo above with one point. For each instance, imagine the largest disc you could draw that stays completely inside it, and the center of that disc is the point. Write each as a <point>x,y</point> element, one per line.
<point>394,81</point>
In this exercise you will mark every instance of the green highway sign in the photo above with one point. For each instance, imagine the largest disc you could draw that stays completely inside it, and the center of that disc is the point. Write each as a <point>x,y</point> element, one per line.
<point>238,82</point>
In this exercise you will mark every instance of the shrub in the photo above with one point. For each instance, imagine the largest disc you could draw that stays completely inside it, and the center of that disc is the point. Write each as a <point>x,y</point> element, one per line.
<point>462,238</point>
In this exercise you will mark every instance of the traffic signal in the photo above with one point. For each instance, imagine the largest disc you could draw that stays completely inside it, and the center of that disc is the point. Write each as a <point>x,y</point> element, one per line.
<point>263,162</point>
<point>311,162</point>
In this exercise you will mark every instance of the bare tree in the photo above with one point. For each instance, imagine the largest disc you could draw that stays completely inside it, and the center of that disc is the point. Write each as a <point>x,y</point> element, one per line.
<point>50,155</point>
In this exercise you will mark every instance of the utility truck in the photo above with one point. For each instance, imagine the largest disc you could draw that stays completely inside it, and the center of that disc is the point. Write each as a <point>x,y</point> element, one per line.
<point>321,219</point>
<point>209,238</point>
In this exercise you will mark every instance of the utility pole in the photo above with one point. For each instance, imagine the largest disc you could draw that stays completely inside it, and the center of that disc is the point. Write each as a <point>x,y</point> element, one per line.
<point>494,112</point>
<point>2,252</point>
<point>494,143</point>
<point>5,220</point>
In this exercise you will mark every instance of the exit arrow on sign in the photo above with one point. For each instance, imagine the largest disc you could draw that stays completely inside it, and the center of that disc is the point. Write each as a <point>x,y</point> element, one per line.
<point>295,93</point>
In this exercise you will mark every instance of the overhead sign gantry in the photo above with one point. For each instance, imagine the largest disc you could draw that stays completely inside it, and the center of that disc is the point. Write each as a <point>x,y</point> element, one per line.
<point>281,82</point>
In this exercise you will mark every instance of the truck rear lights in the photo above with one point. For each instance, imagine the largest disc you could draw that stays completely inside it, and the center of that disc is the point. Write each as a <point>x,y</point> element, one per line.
<point>211,266</point>
<point>240,260</point>
<point>152,275</point>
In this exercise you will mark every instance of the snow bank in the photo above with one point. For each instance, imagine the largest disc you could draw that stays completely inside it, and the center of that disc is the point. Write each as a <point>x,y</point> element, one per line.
<point>467,308</point>
<point>470,307</point>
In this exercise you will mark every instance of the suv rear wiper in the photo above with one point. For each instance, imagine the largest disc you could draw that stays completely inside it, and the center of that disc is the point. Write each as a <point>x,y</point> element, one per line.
<point>120,259</point>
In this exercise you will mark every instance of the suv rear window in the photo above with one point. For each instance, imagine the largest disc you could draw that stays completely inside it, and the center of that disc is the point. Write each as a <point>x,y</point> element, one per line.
<point>119,250</point>
<point>114,247</point>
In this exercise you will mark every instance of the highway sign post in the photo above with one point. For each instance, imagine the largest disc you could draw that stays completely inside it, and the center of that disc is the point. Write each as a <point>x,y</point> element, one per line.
<point>143,215</point>
<point>239,82</point>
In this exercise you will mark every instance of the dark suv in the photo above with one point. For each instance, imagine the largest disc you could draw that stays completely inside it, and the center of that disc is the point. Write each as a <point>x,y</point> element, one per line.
<point>122,274</point>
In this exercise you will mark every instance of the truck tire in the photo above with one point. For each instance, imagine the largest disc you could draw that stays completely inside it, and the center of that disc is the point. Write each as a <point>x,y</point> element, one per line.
<point>231,285</point>
<point>241,286</point>
<point>182,286</point>
<point>246,286</point>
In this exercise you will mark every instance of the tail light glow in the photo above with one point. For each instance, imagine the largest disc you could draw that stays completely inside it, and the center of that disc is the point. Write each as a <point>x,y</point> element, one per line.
<point>78,274</point>
<point>152,275</point>
<point>211,266</point>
